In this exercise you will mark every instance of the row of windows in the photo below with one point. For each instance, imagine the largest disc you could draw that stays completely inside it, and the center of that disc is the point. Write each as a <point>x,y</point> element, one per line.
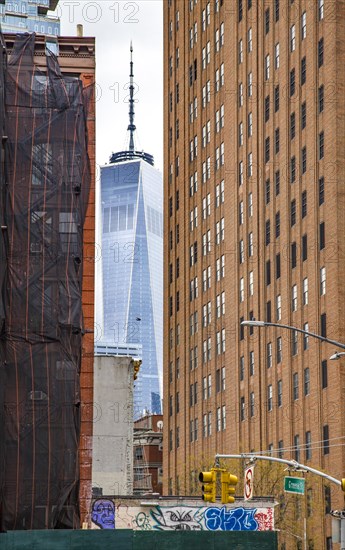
<point>276,14</point>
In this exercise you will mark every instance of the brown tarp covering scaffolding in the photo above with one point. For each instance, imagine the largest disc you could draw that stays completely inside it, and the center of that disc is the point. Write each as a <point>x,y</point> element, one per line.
<point>44,193</point>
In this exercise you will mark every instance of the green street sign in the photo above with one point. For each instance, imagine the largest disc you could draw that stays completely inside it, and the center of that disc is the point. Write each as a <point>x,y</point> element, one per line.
<point>294,485</point>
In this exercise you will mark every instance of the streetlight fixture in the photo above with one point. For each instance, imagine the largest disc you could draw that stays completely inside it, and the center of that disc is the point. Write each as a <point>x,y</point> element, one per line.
<point>254,323</point>
<point>337,355</point>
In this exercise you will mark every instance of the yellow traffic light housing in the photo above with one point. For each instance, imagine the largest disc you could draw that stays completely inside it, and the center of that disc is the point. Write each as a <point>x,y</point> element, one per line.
<point>228,487</point>
<point>209,488</point>
<point>136,368</point>
<point>343,484</point>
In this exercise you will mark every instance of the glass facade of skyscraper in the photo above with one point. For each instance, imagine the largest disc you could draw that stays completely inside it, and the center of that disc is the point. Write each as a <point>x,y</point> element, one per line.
<point>29,16</point>
<point>129,314</point>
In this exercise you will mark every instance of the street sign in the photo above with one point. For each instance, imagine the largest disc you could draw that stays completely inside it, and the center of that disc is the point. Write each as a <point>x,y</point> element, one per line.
<point>248,482</point>
<point>294,485</point>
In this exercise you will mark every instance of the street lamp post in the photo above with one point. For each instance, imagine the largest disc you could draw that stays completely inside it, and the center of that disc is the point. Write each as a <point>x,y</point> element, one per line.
<point>336,355</point>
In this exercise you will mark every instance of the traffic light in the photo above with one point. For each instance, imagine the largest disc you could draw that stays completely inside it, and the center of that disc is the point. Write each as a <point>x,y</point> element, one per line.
<point>209,479</point>
<point>228,487</point>
<point>343,484</point>
<point>136,368</point>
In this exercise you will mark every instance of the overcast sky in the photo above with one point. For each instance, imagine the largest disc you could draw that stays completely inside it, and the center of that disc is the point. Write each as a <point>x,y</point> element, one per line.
<point>115,24</point>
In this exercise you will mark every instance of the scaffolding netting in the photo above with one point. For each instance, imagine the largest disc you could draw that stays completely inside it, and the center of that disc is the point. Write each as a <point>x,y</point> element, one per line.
<point>45,184</point>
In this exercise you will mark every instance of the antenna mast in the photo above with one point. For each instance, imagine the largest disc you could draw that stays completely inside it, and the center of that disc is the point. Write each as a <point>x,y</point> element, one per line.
<point>131,126</point>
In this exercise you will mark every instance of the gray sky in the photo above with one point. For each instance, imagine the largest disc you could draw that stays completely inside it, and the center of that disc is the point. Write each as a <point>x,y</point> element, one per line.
<point>115,24</point>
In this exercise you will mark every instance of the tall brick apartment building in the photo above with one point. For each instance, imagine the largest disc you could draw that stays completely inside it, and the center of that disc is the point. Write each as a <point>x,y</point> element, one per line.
<point>254,222</point>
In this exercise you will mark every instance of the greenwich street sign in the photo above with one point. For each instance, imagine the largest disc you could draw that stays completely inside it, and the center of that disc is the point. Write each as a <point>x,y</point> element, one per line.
<point>294,485</point>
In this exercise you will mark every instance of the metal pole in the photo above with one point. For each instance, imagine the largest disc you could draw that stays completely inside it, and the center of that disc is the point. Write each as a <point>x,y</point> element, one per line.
<point>305,534</point>
<point>342,533</point>
<point>291,463</point>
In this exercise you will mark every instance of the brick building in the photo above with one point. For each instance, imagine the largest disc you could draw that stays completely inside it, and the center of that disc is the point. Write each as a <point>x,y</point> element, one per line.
<point>254,223</point>
<point>76,59</point>
<point>148,454</point>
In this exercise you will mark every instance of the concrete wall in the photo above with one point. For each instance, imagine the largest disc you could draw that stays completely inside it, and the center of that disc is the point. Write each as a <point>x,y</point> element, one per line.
<point>112,467</point>
<point>181,514</point>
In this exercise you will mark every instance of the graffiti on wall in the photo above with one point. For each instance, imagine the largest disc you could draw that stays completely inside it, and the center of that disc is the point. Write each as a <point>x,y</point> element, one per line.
<point>179,517</point>
<point>176,518</point>
<point>103,513</point>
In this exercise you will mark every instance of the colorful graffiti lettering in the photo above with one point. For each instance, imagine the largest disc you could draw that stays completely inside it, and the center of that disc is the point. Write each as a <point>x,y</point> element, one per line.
<point>142,521</point>
<point>237,519</point>
<point>103,513</point>
<point>177,518</point>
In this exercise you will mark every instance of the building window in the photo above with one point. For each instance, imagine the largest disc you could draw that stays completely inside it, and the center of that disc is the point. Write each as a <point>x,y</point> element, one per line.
<point>240,134</point>
<point>279,308</point>
<point>276,99</point>
<point>294,343</point>
<point>320,52</point>
<point>269,397</point>
<point>250,205</point>
<point>250,39</point>
<point>277,140</point>
<point>267,149</point>
<point>277,224</point>
<point>303,115</point>
<point>321,190</point>
<point>240,94</point>
<point>267,108</point>
<point>293,255</point>
<point>292,82</point>
<point>325,440</point>
<point>304,247</point>
<point>251,283</point>
<point>306,381</point>
<point>252,404</point>
<point>267,21</point>
<point>323,325</point>
<point>241,368</point>
<point>322,235</point>
<point>240,51</point>
<point>223,378</point>
<point>303,70</point>
<point>277,182</point>
<point>267,232</point>
<point>324,374</point>
<point>304,204</point>
<point>268,272</point>
<point>294,298</point>
<point>250,164</point>
<point>292,126</point>
<point>322,281</point>
<point>292,38</point>
<point>321,98</point>
<point>276,10</point>
<point>279,349</point>
<point>240,173</point>
<point>308,445</point>
<point>278,266</point>
<point>305,291</point>
<point>268,312</point>
<point>250,124</point>
<point>250,245</point>
<point>277,56</point>
<point>296,447</point>
<point>321,145</point>
<point>293,169</point>
<point>269,355</point>
<point>280,393</point>
<point>242,409</point>
<point>303,25</point>
<point>240,213</point>
<point>250,84</point>
<point>251,363</point>
<point>295,386</point>
<point>293,213</point>
<point>267,67</point>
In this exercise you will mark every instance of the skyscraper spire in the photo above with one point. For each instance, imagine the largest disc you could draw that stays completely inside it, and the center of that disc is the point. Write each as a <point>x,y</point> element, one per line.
<point>131,125</point>
<point>131,153</point>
